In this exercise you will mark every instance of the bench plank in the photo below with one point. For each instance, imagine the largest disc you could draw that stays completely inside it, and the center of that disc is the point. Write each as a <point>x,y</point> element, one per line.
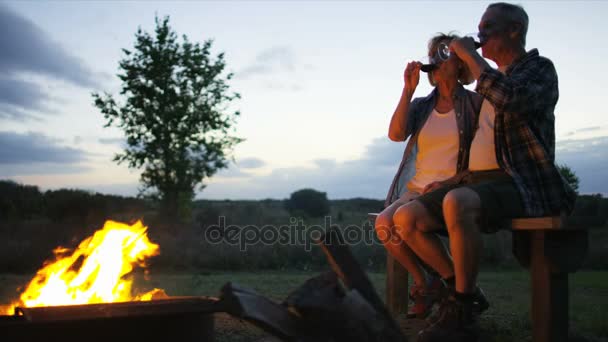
<point>535,223</point>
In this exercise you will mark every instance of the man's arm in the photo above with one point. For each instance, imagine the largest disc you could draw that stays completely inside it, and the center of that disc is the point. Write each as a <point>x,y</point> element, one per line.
<point>466,51</point>
<point>522,92</point>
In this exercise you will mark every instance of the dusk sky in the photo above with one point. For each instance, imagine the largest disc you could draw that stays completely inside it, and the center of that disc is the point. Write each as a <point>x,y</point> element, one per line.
<point>319,82</point>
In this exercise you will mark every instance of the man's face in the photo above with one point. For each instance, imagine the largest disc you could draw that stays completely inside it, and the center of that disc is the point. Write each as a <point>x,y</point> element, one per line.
<point>492,33</point>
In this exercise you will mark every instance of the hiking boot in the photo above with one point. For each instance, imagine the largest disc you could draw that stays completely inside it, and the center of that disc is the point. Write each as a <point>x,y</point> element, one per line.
<point>480,303</point>
<point>456,323</point>
<point>425,297</point>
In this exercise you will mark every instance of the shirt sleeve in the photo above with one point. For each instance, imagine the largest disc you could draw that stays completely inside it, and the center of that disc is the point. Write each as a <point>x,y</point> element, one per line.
<point>521,92</point>
<point>412,117</point>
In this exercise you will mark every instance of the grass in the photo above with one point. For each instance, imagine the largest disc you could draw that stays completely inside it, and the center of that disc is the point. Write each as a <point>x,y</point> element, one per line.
<point>506,320</point>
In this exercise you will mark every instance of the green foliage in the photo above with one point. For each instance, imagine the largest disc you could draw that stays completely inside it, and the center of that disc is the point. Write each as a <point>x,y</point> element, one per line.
<point>67,203</point>
<point>175,115</point>
<point>308,202</point>
<point>19,201</point>
<point>570,176</point>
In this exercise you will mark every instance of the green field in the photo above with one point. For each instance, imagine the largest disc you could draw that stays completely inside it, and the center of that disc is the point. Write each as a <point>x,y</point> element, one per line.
<point>506,320</point>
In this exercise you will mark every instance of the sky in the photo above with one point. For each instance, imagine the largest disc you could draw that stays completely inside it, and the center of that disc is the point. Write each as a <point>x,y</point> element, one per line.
<point>319,82</point>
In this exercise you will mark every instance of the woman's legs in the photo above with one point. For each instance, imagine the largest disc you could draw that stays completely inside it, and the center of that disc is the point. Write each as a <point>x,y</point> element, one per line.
<point>394,244</point>
<point>415,227</point>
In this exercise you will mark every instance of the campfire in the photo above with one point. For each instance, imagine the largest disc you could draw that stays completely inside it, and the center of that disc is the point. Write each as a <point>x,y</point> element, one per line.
<point>97,271</point>
<point>86,294</point>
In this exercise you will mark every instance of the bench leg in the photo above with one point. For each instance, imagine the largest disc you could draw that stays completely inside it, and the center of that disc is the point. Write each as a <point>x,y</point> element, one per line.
<point>549,295</point>
<point>396,286</point>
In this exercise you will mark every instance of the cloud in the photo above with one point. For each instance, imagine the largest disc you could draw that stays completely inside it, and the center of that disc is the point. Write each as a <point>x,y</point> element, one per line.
<point>35,153</point>
<point>19,97</point>
<point>269,64</point>
<point>583,130</point>
<point>278,58</point>
<point>589,160</point>
<point>369,176</point>
<point>28,50</point>
<point>113,141</point>
<point>45,169</point>
<point>250,163</point>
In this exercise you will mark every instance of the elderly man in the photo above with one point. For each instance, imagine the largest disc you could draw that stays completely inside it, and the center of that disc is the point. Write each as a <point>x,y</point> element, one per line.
<point>511,167</point>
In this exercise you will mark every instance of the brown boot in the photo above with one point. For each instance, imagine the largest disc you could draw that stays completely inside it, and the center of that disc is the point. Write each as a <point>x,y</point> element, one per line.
<point>455,323</point>
<point>480,303</point>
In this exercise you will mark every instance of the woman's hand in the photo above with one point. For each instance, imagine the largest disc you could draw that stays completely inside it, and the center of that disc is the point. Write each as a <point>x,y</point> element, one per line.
<point>411,76</point>
<point>432,187</point>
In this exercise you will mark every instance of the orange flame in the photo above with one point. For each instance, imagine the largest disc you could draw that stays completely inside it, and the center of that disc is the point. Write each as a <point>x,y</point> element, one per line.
<point>94,272</point>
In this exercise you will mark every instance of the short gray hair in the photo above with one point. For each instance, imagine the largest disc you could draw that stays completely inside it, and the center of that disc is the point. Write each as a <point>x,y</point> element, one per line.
<point>514,14</point>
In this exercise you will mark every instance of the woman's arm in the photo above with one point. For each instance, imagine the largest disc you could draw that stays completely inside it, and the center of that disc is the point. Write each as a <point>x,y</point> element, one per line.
<point>398,125</point>
<point>455,179</point>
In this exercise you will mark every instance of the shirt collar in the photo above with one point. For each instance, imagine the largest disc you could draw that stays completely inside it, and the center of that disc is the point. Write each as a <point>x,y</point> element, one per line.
<point>432,97</point>
<point>522,60</point>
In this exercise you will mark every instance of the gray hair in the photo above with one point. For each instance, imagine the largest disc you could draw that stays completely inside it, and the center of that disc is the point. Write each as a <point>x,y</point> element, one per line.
<point>513,14</point>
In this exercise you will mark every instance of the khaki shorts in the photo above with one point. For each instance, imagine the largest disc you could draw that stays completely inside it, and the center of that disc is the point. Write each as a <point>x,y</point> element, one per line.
<point>500,199</point>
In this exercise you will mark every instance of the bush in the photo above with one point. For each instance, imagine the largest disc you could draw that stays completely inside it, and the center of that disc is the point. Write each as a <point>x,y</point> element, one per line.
<point>308,202</point>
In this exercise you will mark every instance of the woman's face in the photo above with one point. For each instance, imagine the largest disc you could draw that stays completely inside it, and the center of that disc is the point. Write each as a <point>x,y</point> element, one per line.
<point>447,70</point>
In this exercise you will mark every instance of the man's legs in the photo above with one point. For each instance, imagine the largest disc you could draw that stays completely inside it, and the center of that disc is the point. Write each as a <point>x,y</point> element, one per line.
<point>455,322</point>
<point>462,213</point>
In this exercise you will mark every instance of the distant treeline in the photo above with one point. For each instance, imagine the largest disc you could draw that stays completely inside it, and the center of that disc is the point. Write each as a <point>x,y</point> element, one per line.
<point>27,202</point>
<point>33,223</point>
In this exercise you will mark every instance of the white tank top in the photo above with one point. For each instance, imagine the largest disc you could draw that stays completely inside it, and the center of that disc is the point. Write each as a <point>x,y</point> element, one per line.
<point>437,155</point>
<point>483,153</point>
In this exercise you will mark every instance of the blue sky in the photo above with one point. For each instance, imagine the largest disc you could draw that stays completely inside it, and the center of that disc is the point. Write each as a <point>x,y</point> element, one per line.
<point>319,82</point>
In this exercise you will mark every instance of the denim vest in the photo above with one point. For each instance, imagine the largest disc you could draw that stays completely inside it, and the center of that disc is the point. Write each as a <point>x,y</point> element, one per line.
<point>466,106</point>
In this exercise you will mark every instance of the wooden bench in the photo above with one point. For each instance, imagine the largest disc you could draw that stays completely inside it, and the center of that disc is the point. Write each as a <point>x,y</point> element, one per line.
<point>549,247</point>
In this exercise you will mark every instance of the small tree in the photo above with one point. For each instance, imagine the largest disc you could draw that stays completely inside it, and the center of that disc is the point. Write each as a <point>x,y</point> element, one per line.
<point>175,115</point>
<point>570,176</point>
<point>308,202</point>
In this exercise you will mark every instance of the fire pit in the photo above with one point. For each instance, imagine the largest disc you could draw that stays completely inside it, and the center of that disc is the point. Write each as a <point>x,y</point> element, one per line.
<point>85,294</point>
<point>174,319</point>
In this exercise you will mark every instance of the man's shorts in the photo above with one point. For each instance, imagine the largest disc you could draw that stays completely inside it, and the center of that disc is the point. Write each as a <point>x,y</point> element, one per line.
<point>500,199</point>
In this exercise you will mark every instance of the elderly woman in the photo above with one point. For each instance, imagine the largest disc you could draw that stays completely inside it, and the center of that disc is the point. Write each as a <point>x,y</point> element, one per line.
<point>440,128</point>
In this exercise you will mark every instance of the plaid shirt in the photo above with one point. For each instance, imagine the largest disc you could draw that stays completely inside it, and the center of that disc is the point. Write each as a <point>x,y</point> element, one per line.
<point>524,99</point>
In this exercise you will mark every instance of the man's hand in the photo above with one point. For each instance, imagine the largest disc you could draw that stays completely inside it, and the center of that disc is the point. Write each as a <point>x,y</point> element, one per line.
<point>463,47</point>
<point>432,187</point>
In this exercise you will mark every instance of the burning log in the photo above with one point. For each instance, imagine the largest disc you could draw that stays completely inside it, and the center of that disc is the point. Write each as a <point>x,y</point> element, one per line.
<point>250,306</point>
<point>335,306</point>
<point>362,300</point>
<point>328,311</point>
